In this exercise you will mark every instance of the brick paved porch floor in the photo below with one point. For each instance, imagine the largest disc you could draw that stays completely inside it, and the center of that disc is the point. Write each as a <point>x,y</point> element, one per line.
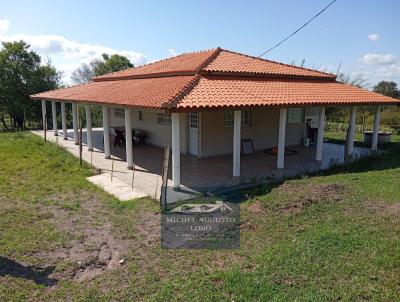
<point>203,175</point>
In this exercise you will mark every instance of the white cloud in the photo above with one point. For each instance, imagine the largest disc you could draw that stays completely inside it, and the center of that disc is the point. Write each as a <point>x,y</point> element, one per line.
<point>377,59</point>
<point>373,37</point>
<point>378,67</point>
<point>55,44</point>
<point>172,52</point>
<point>67,54</point>
<point>4,25</point>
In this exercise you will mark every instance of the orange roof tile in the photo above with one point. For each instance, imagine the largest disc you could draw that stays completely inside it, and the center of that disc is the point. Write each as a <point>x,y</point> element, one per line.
<point>222,91</point>
<point>216,78</point>
<point>187,63</point>
<point>146,93</point>
<point>214,61</point>
<point>228,62</point>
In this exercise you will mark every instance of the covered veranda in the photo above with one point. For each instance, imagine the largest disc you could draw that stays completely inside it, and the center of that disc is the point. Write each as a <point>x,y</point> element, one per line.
<point>197,175</point>
<point>208,174</point>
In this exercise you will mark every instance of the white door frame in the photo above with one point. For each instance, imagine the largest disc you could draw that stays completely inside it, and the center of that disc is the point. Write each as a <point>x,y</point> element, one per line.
<point>194,147</point>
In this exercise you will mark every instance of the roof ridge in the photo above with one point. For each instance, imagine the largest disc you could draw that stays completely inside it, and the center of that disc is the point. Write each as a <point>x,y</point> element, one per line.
<point>185,90</point>
<point>276,62</point>
<point>154,62</point>
<point>210,59</point>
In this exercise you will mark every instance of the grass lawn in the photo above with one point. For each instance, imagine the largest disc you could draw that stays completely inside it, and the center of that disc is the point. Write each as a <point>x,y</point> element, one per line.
<point>331,236</point>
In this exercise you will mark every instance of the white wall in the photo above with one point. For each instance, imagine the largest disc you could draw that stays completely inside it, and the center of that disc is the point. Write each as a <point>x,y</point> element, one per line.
<point>158,134</point>
<point>214,139</point>
<point>217,140</point>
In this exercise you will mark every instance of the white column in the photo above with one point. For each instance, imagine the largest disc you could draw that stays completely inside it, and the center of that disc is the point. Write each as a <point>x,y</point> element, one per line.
<point>89,127</point>
<point>374,145</point>
<point>75,122</point>
<point>54,114</point>
<point>352,129</point>
<point>320,135</point>
<point>281,138</point>
<point>106,132</point>
<point>237,123</point>
<point>64,121</point>
<point>176,150</point>
<point>44,113</point>
<point>128,137</point>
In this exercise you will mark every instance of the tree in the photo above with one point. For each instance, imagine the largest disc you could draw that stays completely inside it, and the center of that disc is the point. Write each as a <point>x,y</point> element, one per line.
<point>112,63</point>
<point>388,88</point>
<point>97,67</point>
<point>358,81</point>
<point>85,72</point>
<point>21,74</point>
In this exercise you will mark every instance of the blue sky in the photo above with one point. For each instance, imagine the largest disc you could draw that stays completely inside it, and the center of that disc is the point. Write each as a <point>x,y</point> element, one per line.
<point>362,35</point>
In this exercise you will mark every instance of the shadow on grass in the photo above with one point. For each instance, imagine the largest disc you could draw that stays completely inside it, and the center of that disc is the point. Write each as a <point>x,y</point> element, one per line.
<point>37,274</point>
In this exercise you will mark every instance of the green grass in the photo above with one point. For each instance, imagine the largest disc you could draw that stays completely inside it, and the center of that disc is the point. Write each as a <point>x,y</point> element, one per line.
<point>331,236</point>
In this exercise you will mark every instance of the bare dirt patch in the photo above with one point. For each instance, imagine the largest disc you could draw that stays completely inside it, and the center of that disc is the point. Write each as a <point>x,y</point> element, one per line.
<point>305,196</point>
<point>383,208</point>
<point>256,208</point>
<point>247,225</point>
<point>91,246</point>
<point>149,228</point>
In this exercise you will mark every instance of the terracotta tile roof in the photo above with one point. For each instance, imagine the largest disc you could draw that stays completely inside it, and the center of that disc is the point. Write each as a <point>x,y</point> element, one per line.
<point>222,91</point>
<point>228,62</point>
<point>215,61</point>
<point>146,93</point>
<point>216,78</point>
<point>187,63</point>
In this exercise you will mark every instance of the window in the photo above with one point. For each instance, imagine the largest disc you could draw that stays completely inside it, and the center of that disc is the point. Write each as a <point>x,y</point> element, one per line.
<point>194,120</point>
<point>164,118</point>
<point>140,113</point>
<point>119,112</point>
<point>247,117</point>
<point>295,115</point>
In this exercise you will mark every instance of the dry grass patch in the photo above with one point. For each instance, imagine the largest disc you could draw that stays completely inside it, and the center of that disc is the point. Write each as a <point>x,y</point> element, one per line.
<point>303,196</point>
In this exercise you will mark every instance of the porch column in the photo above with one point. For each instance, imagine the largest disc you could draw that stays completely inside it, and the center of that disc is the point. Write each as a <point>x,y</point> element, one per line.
<point>44,114</point>
<point>320,135</point>
<point>374,145</point>
<point>128,138</point>
<point>237,122</point>
<point>281,138</point>
<point>64,121</point>
<point>75,122</point>
<point>106,132</point>
<point>89,127</point>
<point>176,150</point>
<point>352,129</point>
<point>54,114</point>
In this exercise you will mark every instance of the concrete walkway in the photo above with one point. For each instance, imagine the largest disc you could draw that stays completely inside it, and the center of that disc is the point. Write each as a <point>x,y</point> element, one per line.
<point>145,183</point>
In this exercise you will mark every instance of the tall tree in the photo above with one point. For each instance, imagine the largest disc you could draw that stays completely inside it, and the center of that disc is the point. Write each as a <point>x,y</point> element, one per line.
<point>22,74</point>
<point>107,63</point>
<point>97,67</point>
<point>388,88</point>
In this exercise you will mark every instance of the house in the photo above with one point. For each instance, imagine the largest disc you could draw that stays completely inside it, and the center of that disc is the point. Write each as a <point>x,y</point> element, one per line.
<point>203,104</point>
